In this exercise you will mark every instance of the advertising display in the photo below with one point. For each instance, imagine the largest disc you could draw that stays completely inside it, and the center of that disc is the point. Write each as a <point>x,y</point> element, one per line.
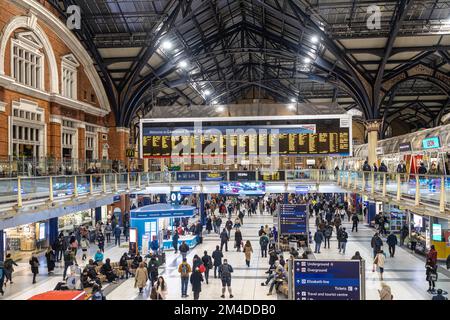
<point>437,232</point>
<point>301,189</point>
<point>214,176</point>
<point>242,176</point>
<point>242,188</point>
<point>231,136</point>
<point>404,147</point>
<point>187,176</point>
<point>271,176</point>
<point>431,143</point>
<point>293,219</point>
<point>328,280</point>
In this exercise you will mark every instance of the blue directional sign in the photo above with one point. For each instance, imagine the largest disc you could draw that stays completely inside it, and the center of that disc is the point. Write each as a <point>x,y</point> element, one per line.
<point>186,190</point>
<point>293,219</point>
<point>327,280</point>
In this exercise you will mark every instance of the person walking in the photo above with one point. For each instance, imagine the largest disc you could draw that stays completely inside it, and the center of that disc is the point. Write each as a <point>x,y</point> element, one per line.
<point>404,232</point>
<point>379,261</point>
<point>141,277</point>
<point>184,269</point>
<point>184,248</point>
<point>196,283</point>
<point>431,275</point>
<point>152,270</point>
<point>84,244</point>
<point>238,240</point>
<point>327,235</point>
<point>376,243</point>
<point>225,276</point>
<point>318,239</point>
<point>34,263</point>
<point>217,255</point>
<point>69,260</point>
<point>8,267</point>
<point>117,233</point>
<point>58,246</point>
<point>248,250</point>
<point>224,240</point>
<point>50,258</point>
<point>264,242</point>
<point>101,241</point>
<point>432,255</point>
<point>175,238</point>
<point>108,232</point>
<point>343,240</point>
<point>229,226</point>
<point>355,221</point>
<point>207,262</point>
<point>392,242</point>
<point>385,292</point>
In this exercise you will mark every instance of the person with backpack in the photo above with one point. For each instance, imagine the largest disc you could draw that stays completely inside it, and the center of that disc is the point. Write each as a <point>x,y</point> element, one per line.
<point>84,244</point>
<point>50,257</point>
<point>34,263</point>
<point>184,248</point>
<point>318,239</point>
<point>184,269</point>
<point>264,242</point>
<point>224,240</point>
<point>355,221</point>
<point>152,269</point>
<point>327,235</point>
<point>376,243</point>
<point>175,238</point>
<point>196,283</point>
<point>379,261</point>
<point>217,255</point>
<point>225,276</point>
<point>207,262</point>
<point>69,260</point>
<point>392,242</point>
<point>343,240</point>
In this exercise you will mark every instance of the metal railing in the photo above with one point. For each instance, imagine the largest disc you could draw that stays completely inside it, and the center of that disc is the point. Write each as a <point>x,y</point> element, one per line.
<point>422,189</point>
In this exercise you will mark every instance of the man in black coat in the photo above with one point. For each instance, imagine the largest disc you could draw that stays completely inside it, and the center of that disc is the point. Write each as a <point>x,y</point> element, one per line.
<point>196,283</point>
<point>224,240</point>
<point>217,255</point>
<point>392,242</point>
<point>355,220</point>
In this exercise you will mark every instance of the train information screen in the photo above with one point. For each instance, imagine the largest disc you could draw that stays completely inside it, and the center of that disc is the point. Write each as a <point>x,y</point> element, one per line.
<point>314,136</point>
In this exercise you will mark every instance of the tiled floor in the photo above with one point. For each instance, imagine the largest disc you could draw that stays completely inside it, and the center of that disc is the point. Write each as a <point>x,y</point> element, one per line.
<point>405,273</point>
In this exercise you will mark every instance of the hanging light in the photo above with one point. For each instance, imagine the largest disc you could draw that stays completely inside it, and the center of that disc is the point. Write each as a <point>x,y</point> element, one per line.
<point>220,109</point>
<point>307,60</point>
<point>215,102</point>
<point>183,64</point>
<point>293,100</point>
<point>206,92</point>
<point>166,45</point>
<point>315,39</point>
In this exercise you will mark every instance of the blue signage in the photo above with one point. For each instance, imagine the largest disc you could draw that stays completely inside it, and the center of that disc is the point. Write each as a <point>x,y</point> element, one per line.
<point>327,280</point>
<point>187,176</point>
<point>431,143</point>
<point>116,198</point>
<point>301,189</point>
<point>175,198</point>
<point>185,191</point>
<point>293,219</point>
<point>162,210</point>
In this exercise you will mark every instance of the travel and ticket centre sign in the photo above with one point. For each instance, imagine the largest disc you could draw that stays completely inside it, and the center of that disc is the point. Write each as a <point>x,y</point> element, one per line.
<point>327,280</point>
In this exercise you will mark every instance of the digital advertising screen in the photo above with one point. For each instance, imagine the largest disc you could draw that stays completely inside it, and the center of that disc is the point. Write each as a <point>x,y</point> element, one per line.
<point>431,143</point>
<point>310,135</point>
<point>437,232</point>
<point>293,219</point>
<point>242,188</point>
<point>327,280</point>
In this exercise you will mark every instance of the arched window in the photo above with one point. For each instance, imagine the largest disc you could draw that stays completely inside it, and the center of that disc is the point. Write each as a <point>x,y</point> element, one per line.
<point>69,67</point>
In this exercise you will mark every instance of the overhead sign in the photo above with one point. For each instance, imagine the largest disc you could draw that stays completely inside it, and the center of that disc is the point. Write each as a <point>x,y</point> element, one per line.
<point>431,143</point>
<point>379,151</point>
<point>186,190</point>
<point>175,198</point>
<point>214,176</point>
<point>293,219</point>
<point>405,147</point>
<point>301,189</point>
<point>130,153</point>
<point>243,188</point>
<point>187,176</point>
<point>242,176</point>
<point>327,280</point>
<point>271,176</point>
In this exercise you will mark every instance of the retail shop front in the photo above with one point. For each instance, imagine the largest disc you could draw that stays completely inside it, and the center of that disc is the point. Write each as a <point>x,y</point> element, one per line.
<point>22,241</point>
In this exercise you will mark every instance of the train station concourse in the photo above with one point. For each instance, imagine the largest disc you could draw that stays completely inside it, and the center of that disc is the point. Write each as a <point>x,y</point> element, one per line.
<point>272,151</point>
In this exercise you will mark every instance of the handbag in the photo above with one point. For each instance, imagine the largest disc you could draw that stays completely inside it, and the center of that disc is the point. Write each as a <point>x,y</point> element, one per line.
<point>154,294</point>
<point>433,277</point>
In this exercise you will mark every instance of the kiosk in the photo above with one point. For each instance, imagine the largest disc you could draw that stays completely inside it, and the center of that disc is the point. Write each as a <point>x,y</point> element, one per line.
<point>151,220</point>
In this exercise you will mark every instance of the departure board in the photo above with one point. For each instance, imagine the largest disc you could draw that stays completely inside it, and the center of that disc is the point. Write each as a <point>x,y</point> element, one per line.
<point>307,137</point>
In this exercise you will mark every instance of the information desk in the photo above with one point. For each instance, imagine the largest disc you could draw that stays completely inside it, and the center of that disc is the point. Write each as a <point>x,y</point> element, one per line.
<point>149,220</point>
<point>191,241</point>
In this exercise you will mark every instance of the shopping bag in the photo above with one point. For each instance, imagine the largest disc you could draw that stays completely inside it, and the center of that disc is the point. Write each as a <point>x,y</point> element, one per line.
<point>147,289</point>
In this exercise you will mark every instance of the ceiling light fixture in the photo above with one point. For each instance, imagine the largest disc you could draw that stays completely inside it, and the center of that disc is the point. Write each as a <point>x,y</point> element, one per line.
<point>307,60</point>
<point>206,92</point>
<point>215,102</point>
<point>293,100</point>
<point>315,39</point>
<point>166,45</point>
<point>219,109</point>
<point>183,64</point>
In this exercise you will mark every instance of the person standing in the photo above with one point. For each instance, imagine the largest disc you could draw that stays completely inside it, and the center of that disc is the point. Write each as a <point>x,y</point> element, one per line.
<point>184,248</point>
<point>404,232</point>
<point>207,262</point>
<point>152,269</point>
<point>318,239</point>
<point>431,273</point>
<point>50,257</point>
<point>248,250</point>
<point>84,244</point>
<point>379,261</point>
<point>217,255</point>
<point>108,232</point>
<point>264,242</point>
<point>117,233</point>
<point>58,246</point>
<point>141,277</point>
<point>184,269</point>
<point>224,240</point>
<point>175,238</point>
<point>376,243</point>
<point>101,241</point>
<point>238,240</point>
<point>69,260</point>
<point>343,240</point>
<point>229,226</point>
<point>34,263</point>
<point>196,283</point>
<point>225,276</point>
<point>208,225</point>
<point>327,235</point>
<point>355,221</point>
<point>432,255</point>
<point>392,242</point>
